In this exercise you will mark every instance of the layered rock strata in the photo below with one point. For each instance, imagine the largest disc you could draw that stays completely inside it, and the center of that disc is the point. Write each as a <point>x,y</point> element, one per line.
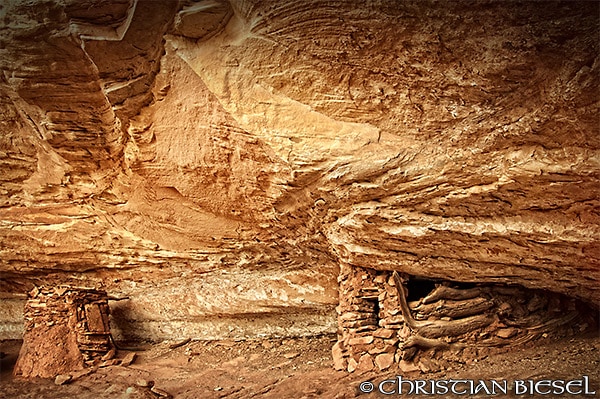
<point>216,161</point>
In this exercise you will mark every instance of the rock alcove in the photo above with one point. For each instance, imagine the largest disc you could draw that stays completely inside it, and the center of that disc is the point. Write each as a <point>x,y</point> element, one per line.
<point>223,163</point>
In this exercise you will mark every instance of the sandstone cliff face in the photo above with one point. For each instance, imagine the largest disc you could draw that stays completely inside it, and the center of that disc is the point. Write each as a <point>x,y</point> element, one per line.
<point>216,161</point>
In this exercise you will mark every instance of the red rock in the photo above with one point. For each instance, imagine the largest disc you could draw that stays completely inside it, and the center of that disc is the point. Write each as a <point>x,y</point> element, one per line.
<point>364,340</point>
<point>383,333</point>
<point>365,363</point>
<point>339,362</point>
<point>352,365</point>
<point>128,359</point>
<point>384,361</point>
<point>62,379</point>
<point>506,332</point>
<point>291,355</point>
<point>407,367</point>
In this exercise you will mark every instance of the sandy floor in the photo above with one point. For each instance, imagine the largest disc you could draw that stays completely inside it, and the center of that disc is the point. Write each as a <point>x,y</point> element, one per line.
<point>291,368</point>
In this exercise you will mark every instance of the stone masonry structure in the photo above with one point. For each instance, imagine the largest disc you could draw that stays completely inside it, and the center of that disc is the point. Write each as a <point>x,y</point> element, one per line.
<point>66,329</point>
<point>381,323</point>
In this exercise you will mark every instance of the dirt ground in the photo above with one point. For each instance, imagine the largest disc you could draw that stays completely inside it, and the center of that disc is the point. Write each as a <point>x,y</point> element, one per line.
<point>290,368</point>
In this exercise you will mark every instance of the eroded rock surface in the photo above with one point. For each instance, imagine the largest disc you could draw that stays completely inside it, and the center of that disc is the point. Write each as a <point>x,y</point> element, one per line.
<point>223,158</point>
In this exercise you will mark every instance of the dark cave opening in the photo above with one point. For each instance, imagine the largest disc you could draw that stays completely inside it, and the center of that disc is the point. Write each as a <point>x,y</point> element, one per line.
<point>419,287</point>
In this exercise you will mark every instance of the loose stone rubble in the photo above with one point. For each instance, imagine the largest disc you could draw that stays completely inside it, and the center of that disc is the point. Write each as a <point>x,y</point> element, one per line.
<point>379,325</point>
<point>66,329</point>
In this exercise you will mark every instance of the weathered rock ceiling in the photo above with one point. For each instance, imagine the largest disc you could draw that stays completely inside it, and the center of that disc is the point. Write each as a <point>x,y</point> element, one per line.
<point>219,158</point>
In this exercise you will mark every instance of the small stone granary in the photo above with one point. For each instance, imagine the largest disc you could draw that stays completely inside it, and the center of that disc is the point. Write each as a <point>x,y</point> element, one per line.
<point>382,324</point>
<point>66,329</point>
